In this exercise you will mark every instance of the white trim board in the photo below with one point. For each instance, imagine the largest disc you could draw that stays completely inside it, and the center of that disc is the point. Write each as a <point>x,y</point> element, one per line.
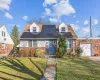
<point>89,38</point>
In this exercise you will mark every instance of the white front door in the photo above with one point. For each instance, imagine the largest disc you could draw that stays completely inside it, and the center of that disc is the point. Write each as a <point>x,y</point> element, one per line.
<point>87,49</point>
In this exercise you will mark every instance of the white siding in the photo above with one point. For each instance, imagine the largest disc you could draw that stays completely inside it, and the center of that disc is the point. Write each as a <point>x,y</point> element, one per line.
<point>7,39</point>
<point>40,43</point>
<point>34,25</point>
<point>63,25</point>
<point>23,43</point>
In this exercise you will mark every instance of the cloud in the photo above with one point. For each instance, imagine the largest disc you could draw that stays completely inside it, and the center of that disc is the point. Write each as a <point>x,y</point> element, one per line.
<point>53,20</point>
<point>9,16</point>
<point>4,4</point>
<point>95,21</point>
<point>49,2</point>
<point>86,30</point>
<point>48,12</point>
<point>77,21</point>
<point>63,8</point>
<point>25,17</point>
<point>86,22</point>
<point>59,8</point>
<point>75,27</point>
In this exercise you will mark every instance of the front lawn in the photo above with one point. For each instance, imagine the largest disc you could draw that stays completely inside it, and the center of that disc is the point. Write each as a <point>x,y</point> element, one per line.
<point>21,68</point>
<point>74,68</point>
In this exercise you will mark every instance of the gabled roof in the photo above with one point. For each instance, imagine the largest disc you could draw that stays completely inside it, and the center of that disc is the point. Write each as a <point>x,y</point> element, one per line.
<point>48,31</point>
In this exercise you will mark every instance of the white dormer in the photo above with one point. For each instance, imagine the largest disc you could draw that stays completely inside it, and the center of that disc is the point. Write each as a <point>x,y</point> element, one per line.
<point>34,28</point>
<point>63,28</point>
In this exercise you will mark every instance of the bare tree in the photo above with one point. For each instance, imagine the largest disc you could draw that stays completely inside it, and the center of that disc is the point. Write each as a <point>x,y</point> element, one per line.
<point>39,21</point>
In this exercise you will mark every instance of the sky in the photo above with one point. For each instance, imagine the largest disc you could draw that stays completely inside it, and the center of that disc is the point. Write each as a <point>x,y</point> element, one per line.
<point>74,12</point>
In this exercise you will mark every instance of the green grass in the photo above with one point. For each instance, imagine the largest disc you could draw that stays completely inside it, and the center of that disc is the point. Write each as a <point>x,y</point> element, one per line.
<point>21,68</point>
<point>74,68</point>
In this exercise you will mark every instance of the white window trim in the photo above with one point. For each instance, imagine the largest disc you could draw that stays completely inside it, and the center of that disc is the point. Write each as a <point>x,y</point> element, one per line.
<point>33,29</point>
<point>69,43</point>
<point>3,33</point>
<point>36,43</point>
<point>32,44</point>
<point>63,27</point>
<point>3,45</point>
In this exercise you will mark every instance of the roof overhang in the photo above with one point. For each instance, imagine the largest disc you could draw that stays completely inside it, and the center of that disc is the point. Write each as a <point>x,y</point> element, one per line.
<point>89,38</point>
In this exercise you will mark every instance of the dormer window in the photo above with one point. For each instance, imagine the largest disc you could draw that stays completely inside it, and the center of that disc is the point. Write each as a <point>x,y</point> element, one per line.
<point>63,29</point>
<point>34,29</point>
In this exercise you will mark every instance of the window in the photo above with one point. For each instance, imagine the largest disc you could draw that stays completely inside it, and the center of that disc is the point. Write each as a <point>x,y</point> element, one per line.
<point>34,29</point>
<point>34,43</point>
<point>63,29</point>
<point>3,33</point>
<point>3,45</point>
<point>69,44</point>
<point>30,43</point>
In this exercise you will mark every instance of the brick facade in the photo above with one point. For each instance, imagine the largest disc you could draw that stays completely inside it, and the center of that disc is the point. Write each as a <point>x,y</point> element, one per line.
<point>7,50</point>
<point>95,43</point>
<point>26,51</point>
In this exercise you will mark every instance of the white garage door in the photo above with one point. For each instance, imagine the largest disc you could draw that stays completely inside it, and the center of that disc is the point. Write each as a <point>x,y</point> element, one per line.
<point>87,49</point>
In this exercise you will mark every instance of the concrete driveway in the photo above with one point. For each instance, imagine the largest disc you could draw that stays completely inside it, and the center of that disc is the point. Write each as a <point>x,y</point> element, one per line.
<point>95,58</point>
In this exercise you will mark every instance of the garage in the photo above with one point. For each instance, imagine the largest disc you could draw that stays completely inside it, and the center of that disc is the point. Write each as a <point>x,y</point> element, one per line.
<point>87,49</point>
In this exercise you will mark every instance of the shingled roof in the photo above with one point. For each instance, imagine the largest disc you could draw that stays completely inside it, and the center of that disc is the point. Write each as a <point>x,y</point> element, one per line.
<point>48,31</point>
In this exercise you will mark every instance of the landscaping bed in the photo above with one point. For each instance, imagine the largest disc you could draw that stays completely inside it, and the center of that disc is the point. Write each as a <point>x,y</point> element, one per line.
<point>75,68</point>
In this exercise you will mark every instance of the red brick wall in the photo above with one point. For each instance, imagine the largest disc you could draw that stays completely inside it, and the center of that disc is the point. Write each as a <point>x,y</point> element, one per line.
<point>7,50</point>
<point>95,43</point>
<point>33,49</point>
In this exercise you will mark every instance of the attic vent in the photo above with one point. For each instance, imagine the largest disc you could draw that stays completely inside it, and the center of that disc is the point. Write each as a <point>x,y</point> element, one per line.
<point>4,39</point>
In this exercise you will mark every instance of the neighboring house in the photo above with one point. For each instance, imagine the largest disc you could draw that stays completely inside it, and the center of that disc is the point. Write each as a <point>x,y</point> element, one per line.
<point>47,37</point>
<point>6,43</point>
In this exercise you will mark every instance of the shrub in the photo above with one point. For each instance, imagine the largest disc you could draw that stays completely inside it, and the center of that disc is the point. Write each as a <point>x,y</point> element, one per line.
<point>39,53</point>
<point>62,47</point>
<point>59,53</point>
<point>26,52</point>
<point>79,51</point>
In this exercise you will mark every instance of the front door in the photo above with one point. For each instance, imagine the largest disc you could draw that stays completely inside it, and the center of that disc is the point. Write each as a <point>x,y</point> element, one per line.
<point>51,47</point>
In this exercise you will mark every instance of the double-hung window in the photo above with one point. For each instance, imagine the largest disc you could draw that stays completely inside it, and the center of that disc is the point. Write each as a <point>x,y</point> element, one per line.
<point>3,46</point>
<point>30,43</point>
<point>3,34</point>
<point>34,29</point>
<point>69,44</point>
<point>34,43</point>
<point>63,29</point>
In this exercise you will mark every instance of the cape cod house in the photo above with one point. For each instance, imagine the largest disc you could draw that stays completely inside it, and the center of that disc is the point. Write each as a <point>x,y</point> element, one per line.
<point>6,43</point>
<point>47,36</point>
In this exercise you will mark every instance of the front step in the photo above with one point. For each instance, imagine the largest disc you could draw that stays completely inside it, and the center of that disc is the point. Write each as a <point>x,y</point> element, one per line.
<point>52,56</point>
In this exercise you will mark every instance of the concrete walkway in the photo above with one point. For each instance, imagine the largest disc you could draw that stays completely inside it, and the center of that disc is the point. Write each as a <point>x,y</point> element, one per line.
<point>50,72</point>
<point>95,58</point>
